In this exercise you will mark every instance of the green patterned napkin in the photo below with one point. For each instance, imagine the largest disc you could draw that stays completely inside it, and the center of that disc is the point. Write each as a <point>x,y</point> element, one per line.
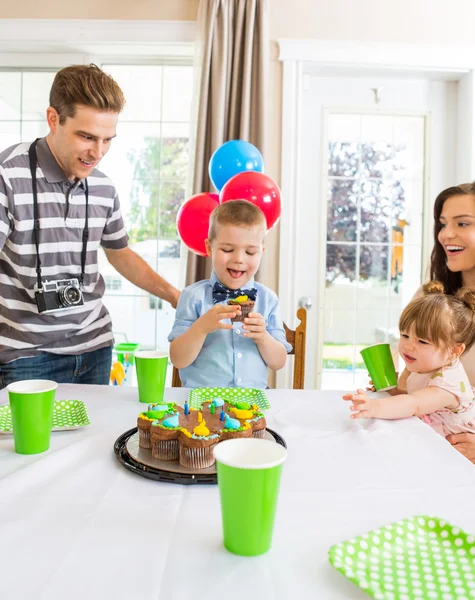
<point>67,414</point>
<point>418,558</point>
<point>251,395</point>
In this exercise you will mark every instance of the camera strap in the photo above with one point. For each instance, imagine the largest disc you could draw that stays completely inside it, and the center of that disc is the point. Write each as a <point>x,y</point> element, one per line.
<point>36,221</point>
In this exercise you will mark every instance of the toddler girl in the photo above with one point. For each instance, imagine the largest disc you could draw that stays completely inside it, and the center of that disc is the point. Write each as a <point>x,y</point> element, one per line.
<point>436,329</point>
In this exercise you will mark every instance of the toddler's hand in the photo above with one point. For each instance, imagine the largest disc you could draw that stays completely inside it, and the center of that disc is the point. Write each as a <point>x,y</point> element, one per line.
<point>372,388</point>
<point>361,403</point>
<point>255,327</point>
<point>211,320</point>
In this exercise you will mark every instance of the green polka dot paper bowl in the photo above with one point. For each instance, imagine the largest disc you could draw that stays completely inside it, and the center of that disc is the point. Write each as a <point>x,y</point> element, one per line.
<point>250,395</point>
<point>67,414</point>
<point>421,558</point>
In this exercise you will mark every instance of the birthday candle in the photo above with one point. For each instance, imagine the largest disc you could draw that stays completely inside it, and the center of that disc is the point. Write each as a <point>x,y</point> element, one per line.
<point>211,408</point>
<point>222,416</point>
<point>186,408</point>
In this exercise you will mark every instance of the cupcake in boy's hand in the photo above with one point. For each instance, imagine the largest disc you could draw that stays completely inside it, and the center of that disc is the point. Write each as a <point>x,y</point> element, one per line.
<point>246,305</point>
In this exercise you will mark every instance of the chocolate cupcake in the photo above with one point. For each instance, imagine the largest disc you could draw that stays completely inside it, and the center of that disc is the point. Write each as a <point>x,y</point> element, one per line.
<point>197,452</point>
<point>164,436</point>
<point>145,419</point>
<point>246,306</point>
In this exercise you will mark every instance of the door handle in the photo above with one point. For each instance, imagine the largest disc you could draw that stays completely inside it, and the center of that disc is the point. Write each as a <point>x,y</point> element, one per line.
<point>305,302</point>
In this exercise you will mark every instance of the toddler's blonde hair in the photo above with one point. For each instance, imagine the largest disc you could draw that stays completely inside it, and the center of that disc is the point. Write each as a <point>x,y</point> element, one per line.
<point>441,319</point>
<point>236,212</point>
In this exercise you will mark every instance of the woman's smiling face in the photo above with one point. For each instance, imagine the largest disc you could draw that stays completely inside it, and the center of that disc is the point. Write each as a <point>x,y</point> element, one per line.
<point>457,233</point>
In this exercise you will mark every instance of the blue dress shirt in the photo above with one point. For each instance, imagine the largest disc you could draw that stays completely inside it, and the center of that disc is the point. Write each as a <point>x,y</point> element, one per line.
<point>227,358</point>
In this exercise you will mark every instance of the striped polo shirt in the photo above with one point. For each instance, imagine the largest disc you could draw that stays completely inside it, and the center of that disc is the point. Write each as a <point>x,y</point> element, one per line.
<point>61,210</point>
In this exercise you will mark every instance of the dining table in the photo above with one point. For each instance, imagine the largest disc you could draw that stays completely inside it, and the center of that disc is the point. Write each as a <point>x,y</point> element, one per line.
<point>75,524</point>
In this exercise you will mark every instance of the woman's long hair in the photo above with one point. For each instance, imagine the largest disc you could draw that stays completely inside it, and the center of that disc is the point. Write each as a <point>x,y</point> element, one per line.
<point>438,260</point>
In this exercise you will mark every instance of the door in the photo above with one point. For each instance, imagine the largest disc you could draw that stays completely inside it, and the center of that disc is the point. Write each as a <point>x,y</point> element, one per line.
<point>372,154</point>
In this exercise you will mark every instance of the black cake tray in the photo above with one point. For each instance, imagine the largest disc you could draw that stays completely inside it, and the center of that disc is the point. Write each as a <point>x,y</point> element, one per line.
<point>173,473</point>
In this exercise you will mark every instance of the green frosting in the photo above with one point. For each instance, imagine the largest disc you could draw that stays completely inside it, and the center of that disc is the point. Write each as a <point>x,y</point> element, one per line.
<point>242,405</point>
<point>155,414</point>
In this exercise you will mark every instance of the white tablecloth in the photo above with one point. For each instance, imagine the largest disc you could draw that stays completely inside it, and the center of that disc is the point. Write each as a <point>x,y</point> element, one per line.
<point>74,524</point>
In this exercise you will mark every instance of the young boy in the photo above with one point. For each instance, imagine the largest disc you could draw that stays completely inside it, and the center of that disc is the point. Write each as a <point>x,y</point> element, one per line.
<point>206,347</point>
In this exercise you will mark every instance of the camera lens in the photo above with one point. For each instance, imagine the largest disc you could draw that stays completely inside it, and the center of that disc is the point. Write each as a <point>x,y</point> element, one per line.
<point>69,295</point>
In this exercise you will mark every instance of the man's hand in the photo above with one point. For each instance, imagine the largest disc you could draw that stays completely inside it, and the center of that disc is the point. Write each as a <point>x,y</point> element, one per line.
<point>255,327</point>
<point>211,320</point>
<point>362,404</point>
<point>464,443</point>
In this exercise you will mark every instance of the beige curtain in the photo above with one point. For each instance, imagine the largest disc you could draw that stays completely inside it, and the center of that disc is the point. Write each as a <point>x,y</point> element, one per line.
<point>233,62</point>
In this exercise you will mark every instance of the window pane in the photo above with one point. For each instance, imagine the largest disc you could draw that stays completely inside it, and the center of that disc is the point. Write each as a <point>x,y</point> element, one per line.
<point>174,151</point>
<point>178,83</point>
<point>172,195</point>
<point>30,130</point>
<point>142,87</point>
<point>134,153</point>
<point>9,133</point>
<point>340,275</point>
<point>342,210</point>
<point>10,96</point>
<point>35,96</point>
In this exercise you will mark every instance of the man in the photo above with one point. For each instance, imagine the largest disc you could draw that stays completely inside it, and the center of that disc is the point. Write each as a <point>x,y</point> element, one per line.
<point>53,324</point>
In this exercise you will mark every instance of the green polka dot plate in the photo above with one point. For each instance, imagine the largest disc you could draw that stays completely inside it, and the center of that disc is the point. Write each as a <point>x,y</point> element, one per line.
<point>421,558</point>
<point>251,395</point>
<point>67,414</point>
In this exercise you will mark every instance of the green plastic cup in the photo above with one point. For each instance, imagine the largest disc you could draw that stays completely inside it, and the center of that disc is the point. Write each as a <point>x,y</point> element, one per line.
<point>151,367</point>
<point>31,403</point>
<point>380,365</point>
<point>125,352</point>
<point>249,473</point>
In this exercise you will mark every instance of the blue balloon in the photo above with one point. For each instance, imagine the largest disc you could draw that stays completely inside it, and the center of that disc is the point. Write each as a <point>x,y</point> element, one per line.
<point>232,158</point>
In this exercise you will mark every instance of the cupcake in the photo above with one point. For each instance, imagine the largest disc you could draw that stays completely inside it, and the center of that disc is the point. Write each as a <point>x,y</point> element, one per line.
<point>145,419</point>
<point>196,452</point>
<point>164,437</point>
<point>246,305</point>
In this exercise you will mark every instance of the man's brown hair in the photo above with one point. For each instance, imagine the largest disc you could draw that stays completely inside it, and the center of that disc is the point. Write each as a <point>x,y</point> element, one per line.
<point>85,85</point>
<point>235,212</point>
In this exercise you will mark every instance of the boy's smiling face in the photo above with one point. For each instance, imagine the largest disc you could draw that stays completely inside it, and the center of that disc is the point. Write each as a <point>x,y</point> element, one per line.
<point>236,253</point>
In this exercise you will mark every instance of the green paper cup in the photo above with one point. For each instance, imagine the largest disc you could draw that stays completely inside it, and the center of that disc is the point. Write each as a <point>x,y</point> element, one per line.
<point>380,365</point>
<point>151,368</point>
<point>31,404</point>
<point>249,472</point>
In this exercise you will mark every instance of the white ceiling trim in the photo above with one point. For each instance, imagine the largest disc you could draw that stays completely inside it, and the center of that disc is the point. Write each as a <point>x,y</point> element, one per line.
<point>99,37</point>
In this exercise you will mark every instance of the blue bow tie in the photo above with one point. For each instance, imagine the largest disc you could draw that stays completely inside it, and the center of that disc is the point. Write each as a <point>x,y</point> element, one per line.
<point>221,293</point>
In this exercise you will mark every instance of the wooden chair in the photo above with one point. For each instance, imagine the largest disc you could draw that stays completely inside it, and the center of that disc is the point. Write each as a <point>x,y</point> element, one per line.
<point>297,339</point>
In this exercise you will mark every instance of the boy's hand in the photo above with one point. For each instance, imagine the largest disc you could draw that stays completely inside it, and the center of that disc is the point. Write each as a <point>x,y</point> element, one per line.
<point>211,320</point>
<point>362,404</point>
<point>255,327</point>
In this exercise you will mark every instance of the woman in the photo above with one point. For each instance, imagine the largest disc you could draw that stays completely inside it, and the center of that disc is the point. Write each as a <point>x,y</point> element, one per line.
<point>453,263</point>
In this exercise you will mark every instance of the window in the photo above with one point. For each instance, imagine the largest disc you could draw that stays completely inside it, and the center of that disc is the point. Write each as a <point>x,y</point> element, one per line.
<point>23,101</point>
<point>148,162</point>
<point>374,236</point>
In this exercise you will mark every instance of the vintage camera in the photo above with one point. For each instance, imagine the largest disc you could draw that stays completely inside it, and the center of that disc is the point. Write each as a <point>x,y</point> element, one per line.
<point>58,295</point>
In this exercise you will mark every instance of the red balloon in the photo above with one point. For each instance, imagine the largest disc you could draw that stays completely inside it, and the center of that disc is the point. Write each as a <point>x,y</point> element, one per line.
<point>192,220</point>
<point>259,189</point>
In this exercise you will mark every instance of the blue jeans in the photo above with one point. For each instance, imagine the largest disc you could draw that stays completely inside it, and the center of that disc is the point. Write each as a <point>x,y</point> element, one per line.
<point>91,367</point>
